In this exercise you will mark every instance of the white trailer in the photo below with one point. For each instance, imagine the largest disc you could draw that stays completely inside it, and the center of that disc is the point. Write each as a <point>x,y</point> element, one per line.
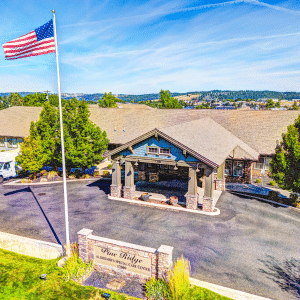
<point>8,164</point>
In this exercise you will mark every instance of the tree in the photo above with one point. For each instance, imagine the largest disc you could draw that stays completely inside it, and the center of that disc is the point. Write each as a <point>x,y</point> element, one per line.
<point>32,157</point>
<point>36,99</point>
<point>15,99</point>
<point>48,131</point>
<point>108,100</point>
<point>295,106</point>
<point>285,163</point>
<point>84,141</point>
<point>277,104</point>
<point>167,101</point>
<point>5,102</point>
<point>270,104</point>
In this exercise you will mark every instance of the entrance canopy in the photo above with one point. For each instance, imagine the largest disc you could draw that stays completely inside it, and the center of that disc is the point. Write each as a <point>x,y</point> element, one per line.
<point>200,141</point>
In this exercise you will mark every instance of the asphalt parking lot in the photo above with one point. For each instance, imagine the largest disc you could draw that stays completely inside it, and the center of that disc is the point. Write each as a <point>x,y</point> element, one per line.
<point>235,249</point>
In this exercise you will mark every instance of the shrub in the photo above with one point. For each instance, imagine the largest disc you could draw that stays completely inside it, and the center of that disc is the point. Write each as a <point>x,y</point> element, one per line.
<point>77,173</point>
<point>106,174</point>
<point>26,180</point>
<point>258,180</point>
<point>109,166</point>
<point>85,176</point>
<point>273,195</point>
<point>43,173</point>
<point>272,183</point>
<point>156,289</point>
<point>52,174</point>
<point>179,280</point>
<point>74,268</point>
<point>294,199</point>
<point>96,173</point>
<point>72,176</point>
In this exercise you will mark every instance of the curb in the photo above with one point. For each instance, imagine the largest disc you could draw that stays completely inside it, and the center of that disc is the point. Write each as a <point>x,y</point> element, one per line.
<point>15,183</point>
<point>227,292</point>
<point>165,207</point>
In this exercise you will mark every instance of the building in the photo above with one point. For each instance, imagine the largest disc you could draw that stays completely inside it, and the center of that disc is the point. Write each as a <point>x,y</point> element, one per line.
<point>233,145</point>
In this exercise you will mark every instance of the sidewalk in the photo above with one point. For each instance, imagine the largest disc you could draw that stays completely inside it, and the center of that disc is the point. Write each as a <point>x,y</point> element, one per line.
<point>227,292</point>
<point>256,189</point>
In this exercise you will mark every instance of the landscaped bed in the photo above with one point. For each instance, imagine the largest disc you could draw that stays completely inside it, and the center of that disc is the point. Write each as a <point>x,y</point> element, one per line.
<point>20,278</point>
<point>54,176</point>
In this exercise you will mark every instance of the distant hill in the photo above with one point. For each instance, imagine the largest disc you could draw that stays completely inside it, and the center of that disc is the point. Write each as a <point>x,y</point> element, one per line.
<point>208,95</point>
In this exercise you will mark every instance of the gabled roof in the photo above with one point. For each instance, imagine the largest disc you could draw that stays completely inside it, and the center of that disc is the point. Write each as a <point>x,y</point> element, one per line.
<point>258,129</point>
<point>203,139</point>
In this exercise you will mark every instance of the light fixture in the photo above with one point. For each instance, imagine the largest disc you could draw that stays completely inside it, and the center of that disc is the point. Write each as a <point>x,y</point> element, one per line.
<point>136,164</point>
<point>175,168</point>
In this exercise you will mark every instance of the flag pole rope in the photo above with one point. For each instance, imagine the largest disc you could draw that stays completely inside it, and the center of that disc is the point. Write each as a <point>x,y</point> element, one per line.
<point>62,144</point>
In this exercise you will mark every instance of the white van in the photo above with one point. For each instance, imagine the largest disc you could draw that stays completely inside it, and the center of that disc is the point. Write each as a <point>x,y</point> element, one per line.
<point>7,164</point>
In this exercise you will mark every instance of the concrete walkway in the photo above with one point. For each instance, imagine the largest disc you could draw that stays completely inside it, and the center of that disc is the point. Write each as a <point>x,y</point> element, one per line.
<point>256,189</point>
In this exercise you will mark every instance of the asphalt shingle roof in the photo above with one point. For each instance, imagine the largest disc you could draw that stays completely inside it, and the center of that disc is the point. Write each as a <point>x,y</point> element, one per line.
<point>258,129</point>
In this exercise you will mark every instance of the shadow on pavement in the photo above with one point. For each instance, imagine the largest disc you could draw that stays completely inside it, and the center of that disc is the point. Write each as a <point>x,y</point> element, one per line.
<point>29,190</point>
<point>102,184</point>
<point>286,274</point>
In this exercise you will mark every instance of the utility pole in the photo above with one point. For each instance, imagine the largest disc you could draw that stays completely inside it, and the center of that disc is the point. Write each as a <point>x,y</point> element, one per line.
<point>47,94</point>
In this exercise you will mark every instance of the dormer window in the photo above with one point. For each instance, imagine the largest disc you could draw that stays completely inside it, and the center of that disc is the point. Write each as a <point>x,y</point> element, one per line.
<point>152,150</point>
<point>158,151</point>
<point>165,151</point>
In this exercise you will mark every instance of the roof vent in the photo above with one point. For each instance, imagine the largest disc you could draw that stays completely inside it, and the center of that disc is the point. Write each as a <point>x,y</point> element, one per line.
<point>124,129</point>
<point>115,129</point>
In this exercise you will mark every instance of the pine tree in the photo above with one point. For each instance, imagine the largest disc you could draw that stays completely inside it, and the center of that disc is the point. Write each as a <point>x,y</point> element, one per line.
<point>32,157</point>
<point>108,100</point>
<point>47,129</point>
<point>286,161</point>
<point>84,141</point>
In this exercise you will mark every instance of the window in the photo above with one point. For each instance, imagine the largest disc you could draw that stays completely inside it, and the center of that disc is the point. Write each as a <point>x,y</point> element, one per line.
<point>152,150</point>
<point>12,142</point>
<point>260,163</point>
<point>2,142</point>
<point>165,151</point>
<point>263,163</point>
<point>238,168</point>
<point>228,167</point>
<point>6,166</point>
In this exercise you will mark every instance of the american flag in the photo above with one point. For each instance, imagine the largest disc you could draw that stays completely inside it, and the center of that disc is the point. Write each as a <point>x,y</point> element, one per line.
<point>37,42</point>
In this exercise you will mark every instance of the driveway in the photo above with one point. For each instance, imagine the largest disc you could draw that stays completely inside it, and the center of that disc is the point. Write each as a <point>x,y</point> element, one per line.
<point>235,249</point>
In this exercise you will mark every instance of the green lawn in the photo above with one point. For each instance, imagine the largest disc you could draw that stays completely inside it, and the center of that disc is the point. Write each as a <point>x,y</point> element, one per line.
<point>20,280</point>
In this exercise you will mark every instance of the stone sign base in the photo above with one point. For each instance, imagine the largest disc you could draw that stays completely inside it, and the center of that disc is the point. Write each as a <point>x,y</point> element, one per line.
<point>128,259</point>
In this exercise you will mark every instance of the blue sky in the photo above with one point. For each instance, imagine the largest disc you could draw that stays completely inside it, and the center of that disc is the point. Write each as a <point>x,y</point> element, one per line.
<point>137,47</point>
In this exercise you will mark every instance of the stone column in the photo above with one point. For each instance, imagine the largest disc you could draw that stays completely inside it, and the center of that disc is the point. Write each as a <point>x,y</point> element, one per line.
<point>83,244</point>
<point>208,204</point>
<point>191,196</point>
<point>164,261</point>
<point>129,188</point>
<point>116,186</point>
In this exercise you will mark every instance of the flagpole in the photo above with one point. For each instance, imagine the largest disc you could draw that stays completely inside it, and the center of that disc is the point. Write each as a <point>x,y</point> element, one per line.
<point>62,144</point>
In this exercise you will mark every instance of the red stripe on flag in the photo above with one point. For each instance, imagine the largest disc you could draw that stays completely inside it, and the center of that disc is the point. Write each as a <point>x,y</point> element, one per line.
<point>30,46</point>
<point>28,51</point>
<point>24,37</point>
<point>33,54</point>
